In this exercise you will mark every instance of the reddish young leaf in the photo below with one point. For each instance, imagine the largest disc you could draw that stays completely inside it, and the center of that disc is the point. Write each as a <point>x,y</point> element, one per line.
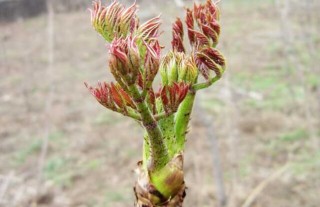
<point>206,16</point>
<point>150,29</point>
<point>125,59</point>
<point>177,36</point>
<point>203,69</point>
<point>102,94</point>
<point>177,44</point>
<point>212,9</point>
<point>215,55</point>
<point>177,27</point>
<point>125,96</point>
<point>209,32</point>
<point>116,96</point>
<point>152,61</point>
<point>183,89</point>
<point>200,39</point>
<point>163,93</point>
<point>215,26</point>
<point>173,95</point>
<point>210,59</point>
<point>190,26</point>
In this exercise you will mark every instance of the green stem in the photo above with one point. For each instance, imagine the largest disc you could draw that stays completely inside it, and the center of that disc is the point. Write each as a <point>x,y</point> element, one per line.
<point>163,115</point>
<point>158,150</point>
<point>146,152</point>
<point>132,114</point>
<point>144,93</point>
<point>168,133</point>
<point>200,86</point>
<point>182,119</point>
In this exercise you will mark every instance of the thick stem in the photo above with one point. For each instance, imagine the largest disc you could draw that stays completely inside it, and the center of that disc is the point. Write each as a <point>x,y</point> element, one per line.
<point>182,119</point>
<point>158,150</point>
<point>146,152</point>
<point>167,128</point>
<point>164,189</point>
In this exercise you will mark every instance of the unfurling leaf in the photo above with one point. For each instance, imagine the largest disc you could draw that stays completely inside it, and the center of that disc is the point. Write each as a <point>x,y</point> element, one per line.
<point>210,59</point>
<point>171,96</point>
<point>177,36</point>
<point>125,59</point>
<point>111,96</point>
<point>206,16</point>
<point>151,62</point>
<point>149,29</point>
<point>114,20</point>
<point>190,26</point>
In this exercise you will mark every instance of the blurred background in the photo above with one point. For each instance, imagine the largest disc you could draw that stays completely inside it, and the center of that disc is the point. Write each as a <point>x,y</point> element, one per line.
<point>254,136</point>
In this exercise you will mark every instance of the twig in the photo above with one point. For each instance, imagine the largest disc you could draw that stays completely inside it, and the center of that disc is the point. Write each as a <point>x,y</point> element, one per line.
<point>292,61</point>
<point>307,27</point>
<point>216,160</point>
<point>5,186</point>
<point>49,100</point>
<point>255,193</point>
<point>232,114</point>
<point>318,96</point>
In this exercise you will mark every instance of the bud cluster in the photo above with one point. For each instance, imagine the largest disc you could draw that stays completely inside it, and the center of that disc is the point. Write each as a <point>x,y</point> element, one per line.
<point>112,96</point>
<point>124,58</point>
<point>134,61</point>
<point>135,51</point>
<point>203,33</point>
<point>151,63</point>
<point>210,59</point>
<point>172,96</point>
<point>113,20</point>
<point>206,16</point>
<point>178,67</point>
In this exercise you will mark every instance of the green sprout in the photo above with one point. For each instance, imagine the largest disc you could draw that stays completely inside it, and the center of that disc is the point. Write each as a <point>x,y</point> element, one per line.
<point>135,59</point>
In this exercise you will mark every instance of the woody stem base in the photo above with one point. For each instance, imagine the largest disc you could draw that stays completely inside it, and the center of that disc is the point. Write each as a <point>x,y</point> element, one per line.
<point>145,198</point>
